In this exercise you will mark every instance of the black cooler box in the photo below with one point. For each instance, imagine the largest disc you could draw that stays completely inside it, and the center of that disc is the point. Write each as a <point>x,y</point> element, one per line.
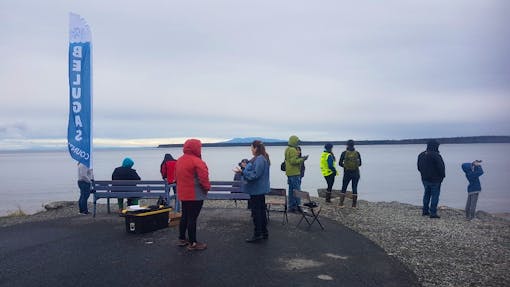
<point>142,221</point>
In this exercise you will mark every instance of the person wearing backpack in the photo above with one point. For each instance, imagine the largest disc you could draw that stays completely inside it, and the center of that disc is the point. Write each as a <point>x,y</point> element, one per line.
<point>350,160</point>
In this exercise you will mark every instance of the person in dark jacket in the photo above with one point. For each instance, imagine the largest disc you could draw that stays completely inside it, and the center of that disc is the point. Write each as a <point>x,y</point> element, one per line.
<point>238,170</point>
<point>350,160</point>
<point>473,172</point>
<point>126,172</point>
<point>432,170</point>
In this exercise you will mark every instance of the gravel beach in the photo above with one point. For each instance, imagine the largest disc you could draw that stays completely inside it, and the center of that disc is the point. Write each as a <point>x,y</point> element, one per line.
<point>449,251</point>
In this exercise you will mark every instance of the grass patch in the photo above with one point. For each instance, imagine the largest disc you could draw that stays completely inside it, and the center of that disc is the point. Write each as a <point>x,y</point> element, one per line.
<point>17,213</point>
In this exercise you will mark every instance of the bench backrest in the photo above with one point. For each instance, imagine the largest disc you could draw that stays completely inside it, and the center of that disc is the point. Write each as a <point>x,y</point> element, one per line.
<point>225,186</point>
<point>130,185</point>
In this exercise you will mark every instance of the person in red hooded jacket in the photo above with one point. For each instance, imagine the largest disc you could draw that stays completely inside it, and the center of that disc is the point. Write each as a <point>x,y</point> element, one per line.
<point>192,178</point>
<point>167,169</point>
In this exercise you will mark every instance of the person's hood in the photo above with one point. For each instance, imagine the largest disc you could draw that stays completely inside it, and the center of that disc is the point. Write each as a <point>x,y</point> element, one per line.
<point>293,141</point>
<point>432,145</point>
<point>193,146</point>
<point>466,166</point>
<point>128,162</point>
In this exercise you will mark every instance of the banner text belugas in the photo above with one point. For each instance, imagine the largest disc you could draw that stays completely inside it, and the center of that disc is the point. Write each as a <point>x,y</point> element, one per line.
<point>79,129</point>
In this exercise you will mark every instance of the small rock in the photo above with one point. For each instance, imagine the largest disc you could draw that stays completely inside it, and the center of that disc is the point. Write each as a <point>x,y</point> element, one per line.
<point>58,205</point>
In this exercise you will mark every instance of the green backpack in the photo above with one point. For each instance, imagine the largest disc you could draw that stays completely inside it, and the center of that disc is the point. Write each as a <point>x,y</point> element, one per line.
<point>351,161</point>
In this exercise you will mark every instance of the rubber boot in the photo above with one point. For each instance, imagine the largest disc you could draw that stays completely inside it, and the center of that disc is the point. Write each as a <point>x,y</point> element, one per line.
<point>328,196</point>
<point>354,201</point>
<point>341,203</point>
<point>120,203</point>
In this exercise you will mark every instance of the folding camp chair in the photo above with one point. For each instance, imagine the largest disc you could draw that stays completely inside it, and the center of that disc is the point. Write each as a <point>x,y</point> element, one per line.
<point>277,197</point>
<point>309,209</point>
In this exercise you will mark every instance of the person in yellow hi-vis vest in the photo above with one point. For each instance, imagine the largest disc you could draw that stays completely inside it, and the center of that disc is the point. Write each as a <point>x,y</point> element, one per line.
<point>328,168</point>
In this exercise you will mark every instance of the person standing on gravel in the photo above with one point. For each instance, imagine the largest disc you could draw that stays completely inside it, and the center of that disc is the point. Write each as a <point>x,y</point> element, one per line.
<point>432,170</point>
<point>350,160</point>
<point>473,171</point>
<point>328,169</point>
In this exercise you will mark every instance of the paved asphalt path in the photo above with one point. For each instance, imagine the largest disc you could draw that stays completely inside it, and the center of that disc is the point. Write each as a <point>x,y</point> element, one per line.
<point>82,251</point>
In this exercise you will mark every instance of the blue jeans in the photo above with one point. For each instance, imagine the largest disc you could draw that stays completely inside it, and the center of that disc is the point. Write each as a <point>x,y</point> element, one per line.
<point>84,196</point>
<point>471,205</point>
<point>431,196</point>
<point>294,182</point>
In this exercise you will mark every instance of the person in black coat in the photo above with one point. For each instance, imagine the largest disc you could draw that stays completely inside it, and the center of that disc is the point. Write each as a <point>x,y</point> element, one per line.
<point>126,172</point>
<point>432,170</point>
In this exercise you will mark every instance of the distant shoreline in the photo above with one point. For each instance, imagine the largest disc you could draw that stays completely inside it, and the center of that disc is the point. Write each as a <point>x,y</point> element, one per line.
<point>451,140</point>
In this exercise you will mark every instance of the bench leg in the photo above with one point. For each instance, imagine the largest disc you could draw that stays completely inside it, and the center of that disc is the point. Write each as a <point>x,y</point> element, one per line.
<point>94,214</point>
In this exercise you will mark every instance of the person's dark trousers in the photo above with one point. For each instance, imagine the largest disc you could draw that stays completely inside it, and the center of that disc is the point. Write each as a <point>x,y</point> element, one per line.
<point>258,210</point>
<point>84,196</point>
<point>330,180</point>
<point>350,175</point>
<point>190,211</point>
<point>430,197</point>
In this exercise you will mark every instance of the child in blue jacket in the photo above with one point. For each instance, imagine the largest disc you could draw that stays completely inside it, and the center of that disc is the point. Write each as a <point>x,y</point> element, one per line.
<point>473,171</point>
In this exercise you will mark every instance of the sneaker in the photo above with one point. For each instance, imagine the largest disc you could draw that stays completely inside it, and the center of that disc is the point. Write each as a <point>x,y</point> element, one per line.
<point>182,242</point>
<point>84,213</point>
<point>425,214</point>
<point>196,246</point>
<point>435,216</point>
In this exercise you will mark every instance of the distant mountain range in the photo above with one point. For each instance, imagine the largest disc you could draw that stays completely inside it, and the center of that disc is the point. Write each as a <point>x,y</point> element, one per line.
<point>251,139</point>
<point>278,142</point>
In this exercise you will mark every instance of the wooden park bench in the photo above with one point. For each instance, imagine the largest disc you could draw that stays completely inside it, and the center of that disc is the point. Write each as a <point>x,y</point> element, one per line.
<point>226,190</point>
<point>131,189</point>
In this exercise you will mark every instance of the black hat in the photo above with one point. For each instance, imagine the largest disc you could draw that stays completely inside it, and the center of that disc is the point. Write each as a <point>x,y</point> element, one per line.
<point>432,145</point>
<point>243,160</point>
<point>328,146</point>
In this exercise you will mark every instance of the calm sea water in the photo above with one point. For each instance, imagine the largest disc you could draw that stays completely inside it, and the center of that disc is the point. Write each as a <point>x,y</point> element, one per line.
<point>31,179</point>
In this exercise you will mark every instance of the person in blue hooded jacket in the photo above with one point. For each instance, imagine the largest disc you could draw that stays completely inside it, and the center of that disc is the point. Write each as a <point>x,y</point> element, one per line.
<point>256,175</point>
<point>473,171</point>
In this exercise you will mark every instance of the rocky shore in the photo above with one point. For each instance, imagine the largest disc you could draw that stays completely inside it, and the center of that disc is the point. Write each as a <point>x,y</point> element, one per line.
<point>449,251</point>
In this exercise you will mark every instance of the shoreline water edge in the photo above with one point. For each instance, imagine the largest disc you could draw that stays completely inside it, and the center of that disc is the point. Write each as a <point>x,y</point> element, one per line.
<point>449,251</point>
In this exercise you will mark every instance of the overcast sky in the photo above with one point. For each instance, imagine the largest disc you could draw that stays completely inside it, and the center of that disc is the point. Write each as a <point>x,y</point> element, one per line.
<point>322,70</point>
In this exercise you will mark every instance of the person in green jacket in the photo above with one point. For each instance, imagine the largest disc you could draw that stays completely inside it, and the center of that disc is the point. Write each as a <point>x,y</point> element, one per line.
<point>293,162</point>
